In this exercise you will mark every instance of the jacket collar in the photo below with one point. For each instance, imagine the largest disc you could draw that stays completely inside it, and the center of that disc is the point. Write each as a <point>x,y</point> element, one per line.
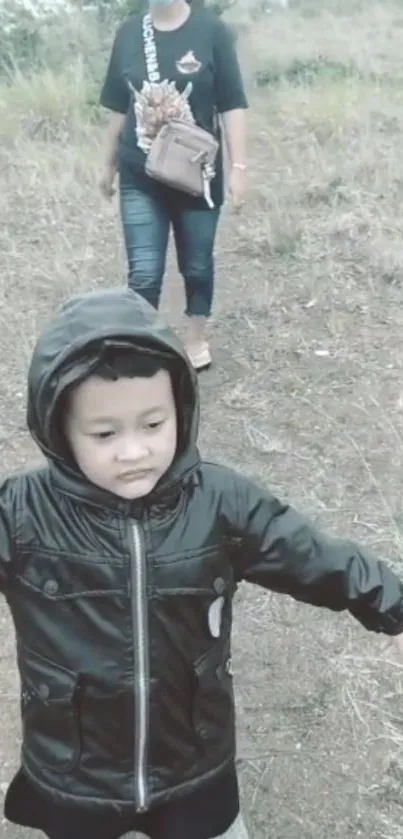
<point>163,497</point>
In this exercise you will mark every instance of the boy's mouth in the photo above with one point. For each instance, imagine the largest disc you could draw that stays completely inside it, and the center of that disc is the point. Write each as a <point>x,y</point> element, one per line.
<point>129,477</point>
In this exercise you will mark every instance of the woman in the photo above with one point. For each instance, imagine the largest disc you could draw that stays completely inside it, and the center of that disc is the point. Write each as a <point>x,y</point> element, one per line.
<point>196,55</point>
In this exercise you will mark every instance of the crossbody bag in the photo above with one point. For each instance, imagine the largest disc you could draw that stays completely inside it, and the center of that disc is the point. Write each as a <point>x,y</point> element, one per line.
<point>181,155</point>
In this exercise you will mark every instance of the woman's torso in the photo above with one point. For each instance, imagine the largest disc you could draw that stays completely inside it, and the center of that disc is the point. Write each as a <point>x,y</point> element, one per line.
<point>187,69</point>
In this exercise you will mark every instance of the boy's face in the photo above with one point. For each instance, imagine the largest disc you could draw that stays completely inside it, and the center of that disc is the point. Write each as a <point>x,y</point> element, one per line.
<point>123,434</point>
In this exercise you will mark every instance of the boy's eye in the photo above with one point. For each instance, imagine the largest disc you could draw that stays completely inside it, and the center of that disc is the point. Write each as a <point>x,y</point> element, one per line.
<point>102,435</point>
<point>153,425</point>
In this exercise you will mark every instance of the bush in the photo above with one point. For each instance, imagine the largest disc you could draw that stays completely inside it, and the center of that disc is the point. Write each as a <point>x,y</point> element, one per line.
<point>19,35</point>
<point>49,36</point>
<point>31,40</point>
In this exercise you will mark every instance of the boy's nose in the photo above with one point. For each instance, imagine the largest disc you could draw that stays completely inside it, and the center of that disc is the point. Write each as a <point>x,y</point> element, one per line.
<point>133,451</point>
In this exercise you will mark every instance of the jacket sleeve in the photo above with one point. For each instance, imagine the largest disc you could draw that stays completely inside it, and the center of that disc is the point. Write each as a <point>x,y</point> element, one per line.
<point>7,531</point>
<point>279,549</point>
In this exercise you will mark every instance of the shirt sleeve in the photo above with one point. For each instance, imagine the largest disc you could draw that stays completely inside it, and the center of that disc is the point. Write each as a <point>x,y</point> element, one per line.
<point>115,94</point>
<point>230,91</point>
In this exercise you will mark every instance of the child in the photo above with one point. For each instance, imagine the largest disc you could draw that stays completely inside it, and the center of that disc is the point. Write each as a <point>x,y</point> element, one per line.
<point>119,560</point>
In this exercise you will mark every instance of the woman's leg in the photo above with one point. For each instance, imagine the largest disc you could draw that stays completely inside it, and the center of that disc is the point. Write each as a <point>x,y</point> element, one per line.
<point>195,232</point>
<point>146,223</point>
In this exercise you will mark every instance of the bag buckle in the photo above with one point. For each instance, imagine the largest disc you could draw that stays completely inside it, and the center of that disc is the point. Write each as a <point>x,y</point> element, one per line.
<point>197,157</point>
<point>208,173</point>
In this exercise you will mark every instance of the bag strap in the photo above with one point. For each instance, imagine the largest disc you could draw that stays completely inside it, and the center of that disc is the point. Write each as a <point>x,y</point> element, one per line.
<point>150,50</point>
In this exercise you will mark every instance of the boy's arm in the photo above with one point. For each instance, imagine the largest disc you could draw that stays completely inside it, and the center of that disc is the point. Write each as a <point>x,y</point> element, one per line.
<point>7,530</point>
<point>282,551</point>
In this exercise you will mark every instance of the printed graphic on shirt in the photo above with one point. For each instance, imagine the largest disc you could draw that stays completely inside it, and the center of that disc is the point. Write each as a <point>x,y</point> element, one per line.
<point>156,104</point>
<point>188,64</point>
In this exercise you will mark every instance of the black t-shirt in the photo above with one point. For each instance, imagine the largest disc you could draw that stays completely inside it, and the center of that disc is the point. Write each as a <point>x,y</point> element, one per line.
<point>199,59</point>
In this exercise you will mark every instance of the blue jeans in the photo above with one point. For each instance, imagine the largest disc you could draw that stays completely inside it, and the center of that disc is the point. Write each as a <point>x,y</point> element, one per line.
<point>146,219</point>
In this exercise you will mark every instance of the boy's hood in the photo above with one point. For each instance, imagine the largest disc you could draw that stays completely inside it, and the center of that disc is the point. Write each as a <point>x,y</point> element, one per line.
<point>62,356</point>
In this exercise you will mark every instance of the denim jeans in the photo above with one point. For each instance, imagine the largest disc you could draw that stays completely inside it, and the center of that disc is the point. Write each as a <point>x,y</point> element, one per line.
<point>147,219</point>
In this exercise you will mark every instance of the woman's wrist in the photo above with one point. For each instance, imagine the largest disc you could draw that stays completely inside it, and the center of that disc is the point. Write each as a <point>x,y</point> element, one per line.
<point>241,166</point>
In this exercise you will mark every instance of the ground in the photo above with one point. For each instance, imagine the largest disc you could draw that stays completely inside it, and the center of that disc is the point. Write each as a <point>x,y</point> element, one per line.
<point>305,395</point>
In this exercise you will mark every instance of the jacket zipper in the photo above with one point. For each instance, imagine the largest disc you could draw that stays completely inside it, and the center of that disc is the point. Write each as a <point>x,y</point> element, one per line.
<point>141,675</point>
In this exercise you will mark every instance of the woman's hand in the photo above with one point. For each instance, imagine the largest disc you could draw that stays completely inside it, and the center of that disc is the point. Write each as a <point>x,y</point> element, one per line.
<point>237,187</point>
<point>107,182</point>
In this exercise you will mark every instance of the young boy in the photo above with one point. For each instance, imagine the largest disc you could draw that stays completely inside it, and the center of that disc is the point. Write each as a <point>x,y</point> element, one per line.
<point>119,560</point>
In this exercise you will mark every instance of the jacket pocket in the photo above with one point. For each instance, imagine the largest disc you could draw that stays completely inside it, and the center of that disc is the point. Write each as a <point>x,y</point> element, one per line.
<point>50,705</point>
<point>213,705</point>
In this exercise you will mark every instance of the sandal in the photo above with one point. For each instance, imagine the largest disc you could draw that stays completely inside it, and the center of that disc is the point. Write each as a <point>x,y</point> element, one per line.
<point>200,356</point>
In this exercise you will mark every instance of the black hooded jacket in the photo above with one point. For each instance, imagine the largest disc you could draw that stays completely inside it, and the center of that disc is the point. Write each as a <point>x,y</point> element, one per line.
<point>126,690</point>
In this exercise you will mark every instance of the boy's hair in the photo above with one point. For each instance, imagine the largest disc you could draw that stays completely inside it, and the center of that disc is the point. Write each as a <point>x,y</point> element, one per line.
<point>118,362</point>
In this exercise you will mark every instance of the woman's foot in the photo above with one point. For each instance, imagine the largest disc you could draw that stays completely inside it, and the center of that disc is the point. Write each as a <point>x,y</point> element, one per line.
<point>196,343</point>
<point>200,355</point>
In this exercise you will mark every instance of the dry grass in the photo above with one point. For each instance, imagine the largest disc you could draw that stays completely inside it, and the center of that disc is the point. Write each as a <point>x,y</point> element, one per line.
<point>307,392</point>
